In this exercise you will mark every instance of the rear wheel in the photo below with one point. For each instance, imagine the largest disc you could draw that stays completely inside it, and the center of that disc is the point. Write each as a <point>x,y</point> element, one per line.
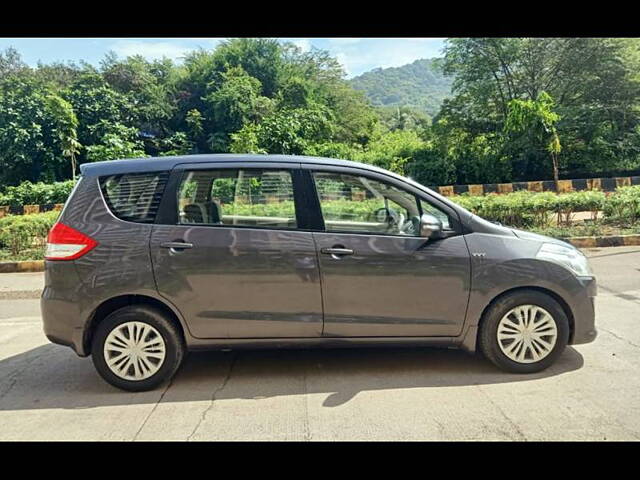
<point>137,348</point>
<point>524,332</point>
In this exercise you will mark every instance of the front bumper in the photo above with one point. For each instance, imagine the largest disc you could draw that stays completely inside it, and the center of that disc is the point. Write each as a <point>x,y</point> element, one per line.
<point>584,314</point>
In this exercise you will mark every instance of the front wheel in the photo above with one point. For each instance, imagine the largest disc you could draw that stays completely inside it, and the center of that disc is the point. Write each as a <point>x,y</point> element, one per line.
<point>524,332</point>
<point>136,348</point>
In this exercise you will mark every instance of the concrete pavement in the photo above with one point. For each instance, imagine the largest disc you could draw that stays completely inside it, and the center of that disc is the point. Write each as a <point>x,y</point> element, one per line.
<point>21,285</point>
<point>47,392</point>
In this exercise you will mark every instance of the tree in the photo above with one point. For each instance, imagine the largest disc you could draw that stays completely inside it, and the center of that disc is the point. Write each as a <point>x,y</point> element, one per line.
<point>97,106</point>
<point>247,140</point>
<point>260,58</point>
<point>117,142</point>
<point>65,128</point>
<point>404,118</point>
<point>495,71</point>
<point>37,131</point>
<point>589,79</point>
<point>177,144</point>
<point>194,127</point>
<point>149,86</point>
<point>356,121</point>
<point>11,63</point>
<point>288,132</point>
<point>236,102</point>
<point>537,121</point>
<point>57,76</point>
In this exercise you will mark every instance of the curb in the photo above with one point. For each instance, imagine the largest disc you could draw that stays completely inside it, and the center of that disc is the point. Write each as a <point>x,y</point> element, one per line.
<point>20,267</point>
<point>612,241</point>
<point>20,294</point>
<point>563,186</point>
<point>29,209</point>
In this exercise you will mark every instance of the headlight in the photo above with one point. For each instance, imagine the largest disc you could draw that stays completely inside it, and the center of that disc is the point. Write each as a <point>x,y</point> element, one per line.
<point>569,257</point>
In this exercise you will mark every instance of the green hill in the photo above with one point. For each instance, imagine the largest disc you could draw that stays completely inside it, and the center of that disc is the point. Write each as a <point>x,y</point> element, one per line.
<point>420,85</point>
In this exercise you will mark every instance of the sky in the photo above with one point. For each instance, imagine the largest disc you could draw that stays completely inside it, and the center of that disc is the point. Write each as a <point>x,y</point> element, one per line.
<point>357,55</point>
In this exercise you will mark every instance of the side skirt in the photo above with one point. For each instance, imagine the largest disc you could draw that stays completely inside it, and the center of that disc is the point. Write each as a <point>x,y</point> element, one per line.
<point>326,342</point>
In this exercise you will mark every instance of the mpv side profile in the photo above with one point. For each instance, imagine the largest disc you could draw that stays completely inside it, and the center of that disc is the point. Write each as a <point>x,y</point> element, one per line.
<point>151,258</point>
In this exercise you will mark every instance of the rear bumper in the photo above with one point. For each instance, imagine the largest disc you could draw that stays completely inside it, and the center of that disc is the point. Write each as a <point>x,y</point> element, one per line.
<point>58,325</point>
<point>60,307</point>
<point>584,315</point>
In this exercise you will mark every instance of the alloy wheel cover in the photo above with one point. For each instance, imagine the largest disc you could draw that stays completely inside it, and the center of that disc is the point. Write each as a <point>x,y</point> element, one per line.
<point>134,351</point>
<point>527,334</point>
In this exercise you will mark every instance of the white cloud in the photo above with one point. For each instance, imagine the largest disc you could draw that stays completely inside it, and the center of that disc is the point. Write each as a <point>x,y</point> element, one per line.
<point>150,50</point>
<point>208,42</point>
<point>341,41</point>
<point>303,44</point>
<point>174,49</point>
<point>359,57</point>
<point>344,61</point>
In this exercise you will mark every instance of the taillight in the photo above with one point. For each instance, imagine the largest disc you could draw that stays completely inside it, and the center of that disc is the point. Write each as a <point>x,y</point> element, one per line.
<point>66,243</point>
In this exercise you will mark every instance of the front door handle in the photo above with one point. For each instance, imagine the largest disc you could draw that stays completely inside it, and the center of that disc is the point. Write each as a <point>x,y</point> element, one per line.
<point>336,252</point>
<point>176,245</point>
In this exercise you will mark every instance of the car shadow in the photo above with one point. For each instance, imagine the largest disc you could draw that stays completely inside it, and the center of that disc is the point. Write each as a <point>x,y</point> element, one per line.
<point>51,376</point>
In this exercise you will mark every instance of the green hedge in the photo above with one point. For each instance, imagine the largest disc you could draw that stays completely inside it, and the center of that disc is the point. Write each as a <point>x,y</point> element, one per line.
<point>529,209</point>
<point>40,193</point>
<point>624,205</point>
<point>337,209</point>
<point>19,233</point>
<point>522,209</point>
<point>280,209</point>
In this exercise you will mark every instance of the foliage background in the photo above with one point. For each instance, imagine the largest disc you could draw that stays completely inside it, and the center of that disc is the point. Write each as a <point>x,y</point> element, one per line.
<point>514,107</point>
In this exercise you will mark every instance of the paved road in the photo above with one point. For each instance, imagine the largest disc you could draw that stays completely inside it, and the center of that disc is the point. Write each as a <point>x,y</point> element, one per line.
<point>21,285</point>
<point>46,392</point>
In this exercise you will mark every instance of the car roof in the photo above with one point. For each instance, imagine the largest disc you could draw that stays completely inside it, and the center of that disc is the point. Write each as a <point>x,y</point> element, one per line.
<point>151,164</point>
<point>154,164</point>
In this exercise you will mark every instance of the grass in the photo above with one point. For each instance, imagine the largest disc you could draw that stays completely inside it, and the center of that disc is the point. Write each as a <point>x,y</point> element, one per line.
<point>588,228</point>
<point>27,254</point>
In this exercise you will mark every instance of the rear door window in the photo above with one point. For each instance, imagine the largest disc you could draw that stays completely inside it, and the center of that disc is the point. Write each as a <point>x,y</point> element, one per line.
<point>237,197</point>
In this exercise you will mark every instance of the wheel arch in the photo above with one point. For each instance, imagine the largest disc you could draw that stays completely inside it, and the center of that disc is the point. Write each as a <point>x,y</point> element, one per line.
<point>561,301</point>
<point>114,303</point>
<point>470,339</point>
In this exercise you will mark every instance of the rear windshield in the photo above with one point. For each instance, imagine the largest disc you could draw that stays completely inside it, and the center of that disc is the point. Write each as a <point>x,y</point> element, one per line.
<point>134,197</point>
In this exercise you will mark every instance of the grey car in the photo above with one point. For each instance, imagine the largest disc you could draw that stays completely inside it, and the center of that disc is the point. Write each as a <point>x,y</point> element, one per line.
<point>152,258</point>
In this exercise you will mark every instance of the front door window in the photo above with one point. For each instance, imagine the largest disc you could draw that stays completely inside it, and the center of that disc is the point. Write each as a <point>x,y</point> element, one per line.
<point>352,203</point>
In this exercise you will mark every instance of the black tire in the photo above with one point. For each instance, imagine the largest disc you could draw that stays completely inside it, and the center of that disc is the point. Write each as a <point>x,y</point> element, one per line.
<point>488,338</point>
<point>174,346</point>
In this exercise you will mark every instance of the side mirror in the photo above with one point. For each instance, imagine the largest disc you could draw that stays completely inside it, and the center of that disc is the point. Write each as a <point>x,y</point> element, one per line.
<point>430,226</point>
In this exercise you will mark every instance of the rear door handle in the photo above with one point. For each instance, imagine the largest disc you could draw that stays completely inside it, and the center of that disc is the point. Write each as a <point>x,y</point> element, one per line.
<point>336,251</point>
<point>176,245</point>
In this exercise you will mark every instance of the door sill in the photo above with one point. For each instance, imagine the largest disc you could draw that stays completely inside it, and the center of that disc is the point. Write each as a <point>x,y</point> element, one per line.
<point>321,342</point>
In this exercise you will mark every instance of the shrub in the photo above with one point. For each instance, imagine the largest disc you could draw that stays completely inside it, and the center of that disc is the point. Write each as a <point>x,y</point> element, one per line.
<point>623,205</point>
<point>587,201</point>
<point>529,209</point>
<point>281,209</point>
<point>28,193</point>
<point>520,209</point>
<point>21,232</point>
<point>337,209</point>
